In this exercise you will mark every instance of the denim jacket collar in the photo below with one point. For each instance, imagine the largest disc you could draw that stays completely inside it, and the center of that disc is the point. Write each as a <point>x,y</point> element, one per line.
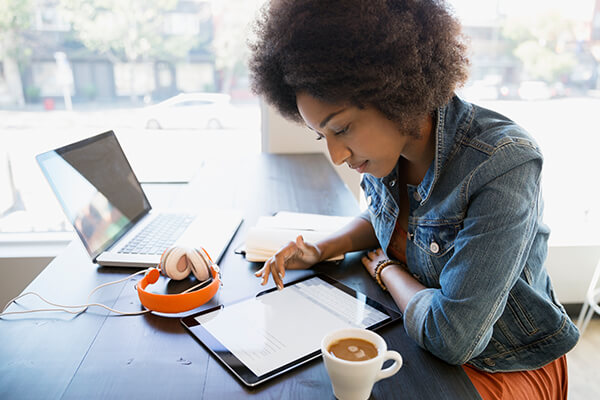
<point>452,122</point>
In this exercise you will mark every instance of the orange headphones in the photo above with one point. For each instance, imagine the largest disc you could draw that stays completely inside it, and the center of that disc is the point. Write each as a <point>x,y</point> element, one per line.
<point>177,263</point>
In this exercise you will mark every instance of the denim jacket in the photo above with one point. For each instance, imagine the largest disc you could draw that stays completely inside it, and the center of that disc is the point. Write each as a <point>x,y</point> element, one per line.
<point>476,240</point>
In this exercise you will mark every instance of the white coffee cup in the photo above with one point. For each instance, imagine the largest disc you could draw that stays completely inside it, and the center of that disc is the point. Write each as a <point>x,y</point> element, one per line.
<point>354,380</point>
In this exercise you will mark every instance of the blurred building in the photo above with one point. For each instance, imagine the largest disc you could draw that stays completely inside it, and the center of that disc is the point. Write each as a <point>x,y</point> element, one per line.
<point>99,77</point>
<point>497,73</point>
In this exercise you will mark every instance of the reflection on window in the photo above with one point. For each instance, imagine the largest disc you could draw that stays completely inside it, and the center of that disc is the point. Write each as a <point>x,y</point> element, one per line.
<point>71,69</point>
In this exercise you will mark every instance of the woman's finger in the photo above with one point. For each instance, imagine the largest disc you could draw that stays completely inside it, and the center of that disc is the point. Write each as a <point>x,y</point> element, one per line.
<point>370,264</point>
<point>372,254</point>
<point>300,241</point>
<point>278,271</point>
<point>260,272</point>
<point>266,271</point>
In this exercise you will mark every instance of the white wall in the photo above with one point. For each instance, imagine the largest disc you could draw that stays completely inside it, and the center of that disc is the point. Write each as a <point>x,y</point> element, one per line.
<point>571,269</point>
<point>282,136</point>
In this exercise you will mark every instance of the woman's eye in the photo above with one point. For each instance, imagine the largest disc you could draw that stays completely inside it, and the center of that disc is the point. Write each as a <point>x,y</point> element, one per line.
<point>342,131</point>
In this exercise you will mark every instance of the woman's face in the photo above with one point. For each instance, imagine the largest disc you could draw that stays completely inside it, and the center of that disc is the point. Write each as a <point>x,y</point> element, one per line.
<point>363,138</point>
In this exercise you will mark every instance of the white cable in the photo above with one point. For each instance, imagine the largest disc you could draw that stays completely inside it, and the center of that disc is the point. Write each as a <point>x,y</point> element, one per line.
<point>83,307</point>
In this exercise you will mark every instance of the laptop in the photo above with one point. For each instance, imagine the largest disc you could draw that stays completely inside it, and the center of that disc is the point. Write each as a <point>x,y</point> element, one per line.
<point>111,214</point>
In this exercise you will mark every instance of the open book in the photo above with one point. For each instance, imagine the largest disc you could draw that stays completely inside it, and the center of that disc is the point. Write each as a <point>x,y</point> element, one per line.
<point>271,233</point>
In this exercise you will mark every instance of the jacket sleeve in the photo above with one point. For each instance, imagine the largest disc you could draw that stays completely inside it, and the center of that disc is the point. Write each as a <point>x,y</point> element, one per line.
<point>455,321</point>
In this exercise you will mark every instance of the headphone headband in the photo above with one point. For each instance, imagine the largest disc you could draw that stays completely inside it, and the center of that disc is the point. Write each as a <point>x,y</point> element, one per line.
<point>176,303</point>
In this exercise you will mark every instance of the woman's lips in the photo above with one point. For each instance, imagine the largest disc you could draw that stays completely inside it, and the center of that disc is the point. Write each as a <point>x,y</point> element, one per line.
<point>359,167</point>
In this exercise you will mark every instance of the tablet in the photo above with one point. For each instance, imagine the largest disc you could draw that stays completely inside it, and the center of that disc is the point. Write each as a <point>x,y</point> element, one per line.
<point>264,336</point>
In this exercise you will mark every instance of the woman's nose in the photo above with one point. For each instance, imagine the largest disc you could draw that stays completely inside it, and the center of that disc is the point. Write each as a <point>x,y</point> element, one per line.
<point>338,151</point>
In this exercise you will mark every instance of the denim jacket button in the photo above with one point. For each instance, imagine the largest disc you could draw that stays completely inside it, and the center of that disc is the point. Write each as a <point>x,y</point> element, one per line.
<point>489,362</point>
<point>434,247</point>
<point>416,196</point>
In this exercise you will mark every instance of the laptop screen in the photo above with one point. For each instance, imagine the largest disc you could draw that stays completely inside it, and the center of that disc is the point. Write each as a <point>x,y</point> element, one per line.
<point>96,188</point>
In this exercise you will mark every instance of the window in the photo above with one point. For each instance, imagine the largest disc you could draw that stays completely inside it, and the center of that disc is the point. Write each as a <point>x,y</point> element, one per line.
<point>66,76</point>
<point>74,68</point>
<point>537,62</point>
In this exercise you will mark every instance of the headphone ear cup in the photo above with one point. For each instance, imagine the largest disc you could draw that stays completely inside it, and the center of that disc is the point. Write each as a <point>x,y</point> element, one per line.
<point>199,264</point>
<point>174,263</point>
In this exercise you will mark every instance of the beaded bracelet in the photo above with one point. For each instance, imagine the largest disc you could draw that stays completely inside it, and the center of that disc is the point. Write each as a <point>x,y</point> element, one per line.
<point>379,268</point>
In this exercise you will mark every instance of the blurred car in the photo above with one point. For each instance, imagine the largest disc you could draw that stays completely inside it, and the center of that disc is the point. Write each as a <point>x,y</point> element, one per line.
<point>191,111</point>
<point>534,90</point>
<point>480,90</point>
<point>508,91</point>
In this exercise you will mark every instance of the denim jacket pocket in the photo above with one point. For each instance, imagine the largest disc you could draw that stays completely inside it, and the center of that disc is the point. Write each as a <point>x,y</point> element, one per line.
<point>436,240</point>
<point>436,245</point>
<point>520,312</point>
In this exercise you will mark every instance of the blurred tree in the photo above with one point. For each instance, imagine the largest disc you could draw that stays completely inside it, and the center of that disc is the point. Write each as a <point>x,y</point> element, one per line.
<point>232,28</point>
<point>540,62</point>
<point>540,45</point>
<point>128,31</point>
<point>15,17</point>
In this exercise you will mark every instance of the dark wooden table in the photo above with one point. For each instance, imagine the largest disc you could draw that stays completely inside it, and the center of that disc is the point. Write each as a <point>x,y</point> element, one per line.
<point>96,355</point>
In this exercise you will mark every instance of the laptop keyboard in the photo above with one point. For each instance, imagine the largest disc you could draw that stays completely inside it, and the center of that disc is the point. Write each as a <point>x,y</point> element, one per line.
<point>159,234</point>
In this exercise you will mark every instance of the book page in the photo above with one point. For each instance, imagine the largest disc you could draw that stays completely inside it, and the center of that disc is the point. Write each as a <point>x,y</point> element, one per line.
<point>272,233</point>
<point>304,221</point>
<point>262,243</point>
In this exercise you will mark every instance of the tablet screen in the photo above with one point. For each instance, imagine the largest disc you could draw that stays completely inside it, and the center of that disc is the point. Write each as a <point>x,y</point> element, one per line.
<point>276,330</point>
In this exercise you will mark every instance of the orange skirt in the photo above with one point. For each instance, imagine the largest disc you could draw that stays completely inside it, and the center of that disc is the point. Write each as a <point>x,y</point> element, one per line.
<point>547,383</point>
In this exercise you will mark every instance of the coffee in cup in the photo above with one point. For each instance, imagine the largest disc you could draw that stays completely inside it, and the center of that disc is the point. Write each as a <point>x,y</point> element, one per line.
<point>353,358</point>
<point>353,349</point>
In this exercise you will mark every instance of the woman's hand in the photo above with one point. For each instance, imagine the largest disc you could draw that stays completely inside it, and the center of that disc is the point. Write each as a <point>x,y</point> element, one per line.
<point>371,260</point>
<point>294,255</point>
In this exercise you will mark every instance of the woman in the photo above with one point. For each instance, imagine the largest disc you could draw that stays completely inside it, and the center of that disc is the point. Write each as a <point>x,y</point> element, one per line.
<point>453,190</point>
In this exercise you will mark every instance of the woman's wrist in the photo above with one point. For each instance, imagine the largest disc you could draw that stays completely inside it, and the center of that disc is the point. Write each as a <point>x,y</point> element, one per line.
<point>320,251</point>
<point>393,269</point>
<point>357,235</point>
<point>381,266</point>
<point>330,247</point>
